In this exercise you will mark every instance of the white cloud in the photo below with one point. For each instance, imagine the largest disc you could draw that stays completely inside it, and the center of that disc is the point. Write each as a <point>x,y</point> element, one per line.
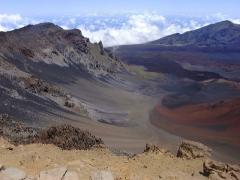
<point>65,27</point>
<point>12,18</point>
<point>138,28</point>
<point>10,21</point>
<point>2,28</point>
<point>236,21</point>
<point>72,20</point>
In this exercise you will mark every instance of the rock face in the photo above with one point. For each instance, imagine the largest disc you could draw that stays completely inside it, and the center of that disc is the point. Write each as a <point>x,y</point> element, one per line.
<point>193,150</point>
<point>218,170</point>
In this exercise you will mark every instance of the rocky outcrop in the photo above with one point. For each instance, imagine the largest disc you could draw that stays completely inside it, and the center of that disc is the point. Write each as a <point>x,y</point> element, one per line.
<point>15,131</point>
<point>218,170</point>
<point>67,137</point>
<point>64,136</point>
<point>192,150</point>
<point>152,148</point>
<point>69,102</point>
<point>38,86</point>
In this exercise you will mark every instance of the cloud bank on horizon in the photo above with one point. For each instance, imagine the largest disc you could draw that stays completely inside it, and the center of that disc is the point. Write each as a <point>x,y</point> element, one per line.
<point>133,28</point>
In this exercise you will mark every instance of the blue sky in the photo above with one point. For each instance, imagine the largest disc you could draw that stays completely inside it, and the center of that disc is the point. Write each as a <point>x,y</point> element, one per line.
<point>119,22</point>
<point>165,7</point>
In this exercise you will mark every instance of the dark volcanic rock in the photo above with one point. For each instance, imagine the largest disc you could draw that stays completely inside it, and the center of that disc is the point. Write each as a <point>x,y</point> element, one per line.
<point>38,86</point>
<point>15,131</point>
<point>68,137</point>
<point>27,52</point>
<point>65,136</point>
<point>151,148</point>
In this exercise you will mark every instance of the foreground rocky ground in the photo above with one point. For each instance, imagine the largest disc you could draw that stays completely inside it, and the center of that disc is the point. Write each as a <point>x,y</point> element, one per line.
<point>45,161</point>
<point>49,162</point>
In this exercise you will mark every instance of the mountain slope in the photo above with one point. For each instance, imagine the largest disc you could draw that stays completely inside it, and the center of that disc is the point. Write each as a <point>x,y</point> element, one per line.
<point>214,50</point>
<point>222,34</point>
<point>50,44</point>
<point>37,60</point>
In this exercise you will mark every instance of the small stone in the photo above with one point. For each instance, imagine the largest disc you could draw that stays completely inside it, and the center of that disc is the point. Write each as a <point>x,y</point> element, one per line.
<point>69,104</point>
<point>2,167</point>
<point>10,148</point>
<point>102,175</point>
<point>12,174</point>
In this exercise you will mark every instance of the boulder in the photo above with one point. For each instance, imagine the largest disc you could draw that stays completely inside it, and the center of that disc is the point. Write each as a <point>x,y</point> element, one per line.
<point>69,104</point>
<point>193,150</point>
<point>219,170</point>
<point>12,174</point>
<point>102,175</point>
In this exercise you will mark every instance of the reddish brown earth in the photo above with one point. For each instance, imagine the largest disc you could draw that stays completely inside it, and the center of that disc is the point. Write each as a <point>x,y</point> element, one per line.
<point>213,122</point>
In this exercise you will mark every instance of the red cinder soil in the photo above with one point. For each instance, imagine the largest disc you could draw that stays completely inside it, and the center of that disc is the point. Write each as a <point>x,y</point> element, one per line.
<point>216,121</point>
